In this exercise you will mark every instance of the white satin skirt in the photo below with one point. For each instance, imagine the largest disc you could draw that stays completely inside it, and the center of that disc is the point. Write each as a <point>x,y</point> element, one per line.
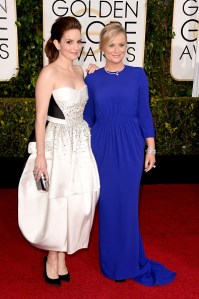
<point>60,219</point>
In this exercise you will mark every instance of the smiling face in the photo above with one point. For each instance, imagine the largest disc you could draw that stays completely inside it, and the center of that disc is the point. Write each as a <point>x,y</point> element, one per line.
<point>70,44</point>
<point>115,50</point>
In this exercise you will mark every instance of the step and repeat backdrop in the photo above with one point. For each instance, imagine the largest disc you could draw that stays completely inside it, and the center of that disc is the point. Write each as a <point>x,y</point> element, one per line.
<point>94,15</point>
<point>183,45</point>
<point>8,40</point>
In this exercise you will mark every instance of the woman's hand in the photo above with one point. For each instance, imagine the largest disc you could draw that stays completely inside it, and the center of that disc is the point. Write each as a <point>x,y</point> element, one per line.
<point>149,162</point>
<point>92,68</point>
<point>40,166</point>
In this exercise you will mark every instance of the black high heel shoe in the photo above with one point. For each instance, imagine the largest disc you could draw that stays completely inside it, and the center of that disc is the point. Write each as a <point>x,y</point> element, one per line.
<point>65,277</point>
<point>54,282</point>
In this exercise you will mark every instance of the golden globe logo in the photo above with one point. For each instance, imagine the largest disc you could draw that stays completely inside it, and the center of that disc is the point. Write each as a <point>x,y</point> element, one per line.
<point>94,15</point>
<point>183,46</point>
<point>8,40</point>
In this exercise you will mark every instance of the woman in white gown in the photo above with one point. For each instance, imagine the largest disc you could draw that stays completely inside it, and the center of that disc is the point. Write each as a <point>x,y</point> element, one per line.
<point>59,220</point>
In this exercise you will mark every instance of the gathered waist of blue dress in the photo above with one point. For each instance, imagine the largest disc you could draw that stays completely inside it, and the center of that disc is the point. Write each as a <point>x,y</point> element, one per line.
<point>117,119</point>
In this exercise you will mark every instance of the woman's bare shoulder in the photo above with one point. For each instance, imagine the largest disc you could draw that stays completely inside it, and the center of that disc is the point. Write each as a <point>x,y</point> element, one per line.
<point>47,76</point>
<point>48,73</point>
<point>48,69</point>
<point>79,69</point>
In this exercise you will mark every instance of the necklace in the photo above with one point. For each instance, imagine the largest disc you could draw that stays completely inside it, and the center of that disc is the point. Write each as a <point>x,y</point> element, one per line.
<point>115,73</point>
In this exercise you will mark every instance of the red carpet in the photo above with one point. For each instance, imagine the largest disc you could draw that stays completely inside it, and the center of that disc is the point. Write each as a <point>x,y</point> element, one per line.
<point>170,228</point>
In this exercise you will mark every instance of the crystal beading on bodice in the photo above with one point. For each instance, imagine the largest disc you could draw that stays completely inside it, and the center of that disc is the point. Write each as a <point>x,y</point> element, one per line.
<point>73,114</point>
<point>71,132</point>
<point>68,104</point>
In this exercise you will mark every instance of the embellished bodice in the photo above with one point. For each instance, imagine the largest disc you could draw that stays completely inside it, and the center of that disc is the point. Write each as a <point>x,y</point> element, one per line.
<point>67,105</point>
<point>66,130</point>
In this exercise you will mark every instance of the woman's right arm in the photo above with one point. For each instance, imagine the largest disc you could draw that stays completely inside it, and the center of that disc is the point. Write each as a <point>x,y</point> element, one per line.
<point>43,91</point>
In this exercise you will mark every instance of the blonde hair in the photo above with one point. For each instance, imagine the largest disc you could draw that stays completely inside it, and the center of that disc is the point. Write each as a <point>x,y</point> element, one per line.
<point>109,32</point>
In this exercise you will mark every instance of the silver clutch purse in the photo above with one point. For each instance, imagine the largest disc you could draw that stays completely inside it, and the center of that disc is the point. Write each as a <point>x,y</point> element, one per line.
<point>43,184</point>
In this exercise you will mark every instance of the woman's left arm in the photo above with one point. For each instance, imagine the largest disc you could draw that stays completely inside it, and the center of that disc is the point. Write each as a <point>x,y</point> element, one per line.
<point>146,121</point>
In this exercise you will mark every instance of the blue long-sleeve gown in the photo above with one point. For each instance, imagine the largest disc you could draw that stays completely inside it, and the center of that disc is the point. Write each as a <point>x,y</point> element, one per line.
<point>119,115</point>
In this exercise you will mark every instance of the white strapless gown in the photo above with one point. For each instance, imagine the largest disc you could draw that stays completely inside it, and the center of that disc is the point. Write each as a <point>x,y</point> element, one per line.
<point>61,219</point>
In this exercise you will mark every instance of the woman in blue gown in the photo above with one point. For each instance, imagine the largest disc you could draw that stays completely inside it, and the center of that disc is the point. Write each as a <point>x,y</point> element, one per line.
<point>121,123</point>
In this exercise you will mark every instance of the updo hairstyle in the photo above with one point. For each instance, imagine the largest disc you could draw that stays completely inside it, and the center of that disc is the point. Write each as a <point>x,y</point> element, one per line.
<point>60,26</point>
